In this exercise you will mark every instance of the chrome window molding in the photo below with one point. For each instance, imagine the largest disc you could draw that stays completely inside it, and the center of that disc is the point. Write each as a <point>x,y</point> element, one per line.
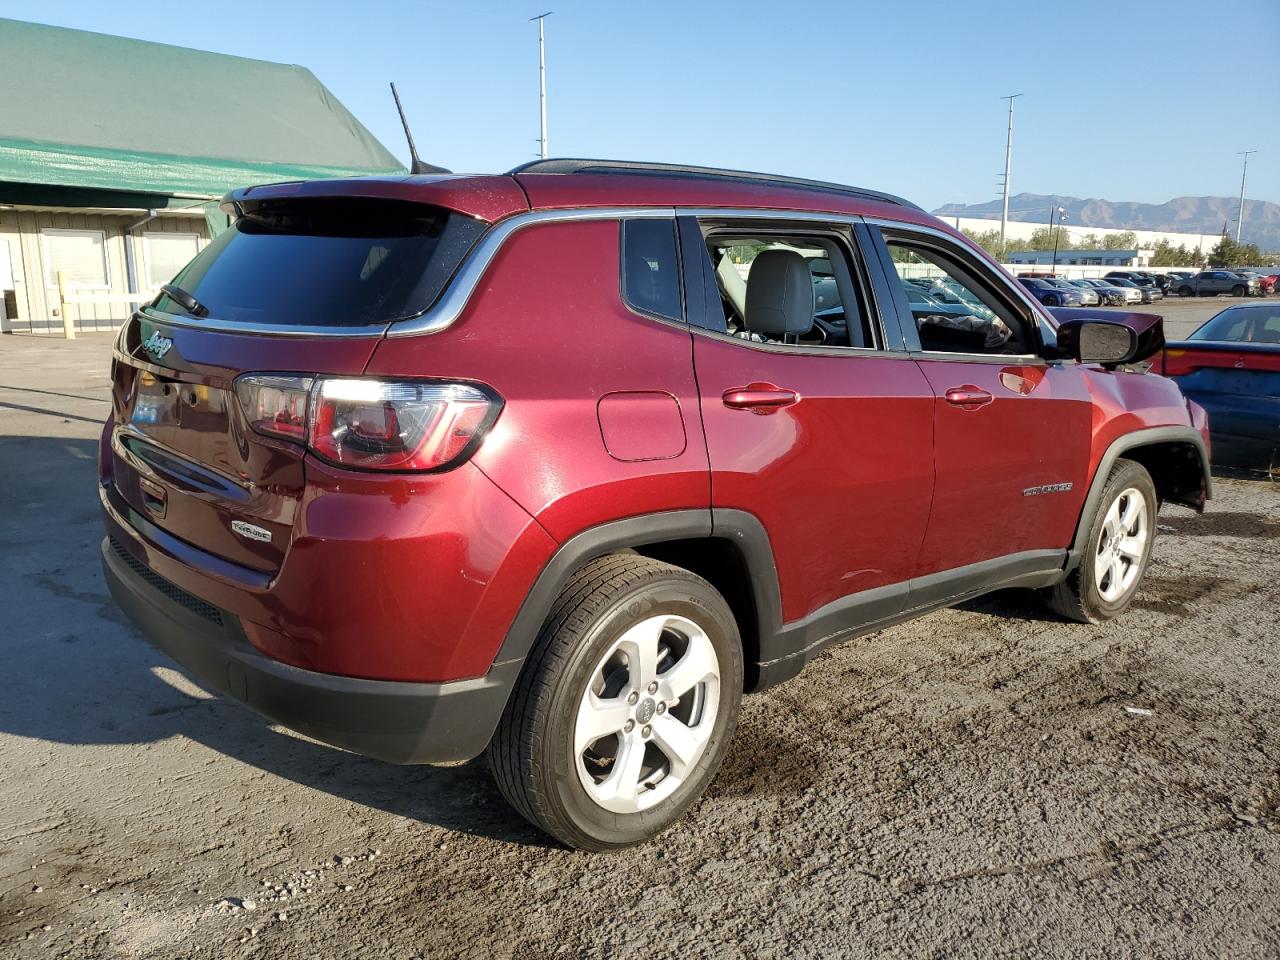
<point>809,349</point>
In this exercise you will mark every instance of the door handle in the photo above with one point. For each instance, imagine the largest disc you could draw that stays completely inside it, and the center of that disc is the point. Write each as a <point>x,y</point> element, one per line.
<point>759,398</point>
<point>968,396</point>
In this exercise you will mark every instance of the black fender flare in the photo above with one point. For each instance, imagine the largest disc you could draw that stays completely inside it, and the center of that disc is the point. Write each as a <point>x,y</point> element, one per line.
<point>1119,447</point>
<point>740,528</point>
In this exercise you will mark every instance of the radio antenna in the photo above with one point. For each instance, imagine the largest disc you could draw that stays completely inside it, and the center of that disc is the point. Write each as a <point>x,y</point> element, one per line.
<point>416,163</point>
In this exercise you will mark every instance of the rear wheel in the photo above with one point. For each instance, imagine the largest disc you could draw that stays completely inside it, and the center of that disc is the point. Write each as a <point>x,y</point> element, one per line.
<point>626,706</point>
<point>1116,551</point>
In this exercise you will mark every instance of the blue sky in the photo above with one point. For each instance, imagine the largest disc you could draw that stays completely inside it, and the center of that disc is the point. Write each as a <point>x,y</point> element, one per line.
<point>1127,101</point>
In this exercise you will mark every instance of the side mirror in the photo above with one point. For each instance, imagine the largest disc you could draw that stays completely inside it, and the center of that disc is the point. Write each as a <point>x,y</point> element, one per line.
<point>1124,338</point>
<point>1097,341</point>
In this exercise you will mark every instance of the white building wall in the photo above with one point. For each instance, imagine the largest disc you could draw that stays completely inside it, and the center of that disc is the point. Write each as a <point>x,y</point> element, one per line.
<point>1071,234</point>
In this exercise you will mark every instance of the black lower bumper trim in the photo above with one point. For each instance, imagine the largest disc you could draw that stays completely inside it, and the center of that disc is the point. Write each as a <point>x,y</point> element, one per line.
<point>397,721</point>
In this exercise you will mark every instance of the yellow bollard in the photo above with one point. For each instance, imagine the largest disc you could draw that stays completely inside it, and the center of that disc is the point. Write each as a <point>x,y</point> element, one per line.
<point>68,325</point>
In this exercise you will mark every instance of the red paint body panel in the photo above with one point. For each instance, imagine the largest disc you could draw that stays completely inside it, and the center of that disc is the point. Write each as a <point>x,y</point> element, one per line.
<point>841,479</point>
<point>387,577</point>
<point>549,332</point>
<point>180,427</point>
<point>1124,402</point>
<point>642,425</point>
<point>1034,432</point>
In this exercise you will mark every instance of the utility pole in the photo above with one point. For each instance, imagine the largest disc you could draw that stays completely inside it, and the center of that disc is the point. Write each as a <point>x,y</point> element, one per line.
<point>1062,215</point>
<point>542,78</point>
<point>1243,173</point>
<point>1008,156</point>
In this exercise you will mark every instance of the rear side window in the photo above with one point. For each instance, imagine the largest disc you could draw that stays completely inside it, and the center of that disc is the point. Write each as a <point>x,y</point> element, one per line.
<point>651,268</point>
<point>327,262</point>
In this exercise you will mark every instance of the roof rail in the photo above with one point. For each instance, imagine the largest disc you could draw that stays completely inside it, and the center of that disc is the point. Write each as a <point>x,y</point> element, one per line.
<point>569,165</point>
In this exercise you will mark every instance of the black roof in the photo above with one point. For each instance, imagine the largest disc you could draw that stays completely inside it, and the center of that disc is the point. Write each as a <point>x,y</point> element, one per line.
<point>682,171</point>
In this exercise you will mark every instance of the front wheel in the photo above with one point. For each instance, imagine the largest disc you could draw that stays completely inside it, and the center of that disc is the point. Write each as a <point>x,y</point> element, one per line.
<point>1116,551</point>
<point>626,705</point>
<point>1185,291</point>
<point>1238,291</point>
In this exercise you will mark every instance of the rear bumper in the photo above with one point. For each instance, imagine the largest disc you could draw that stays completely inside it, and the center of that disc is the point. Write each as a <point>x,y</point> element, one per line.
<point>396,721</point>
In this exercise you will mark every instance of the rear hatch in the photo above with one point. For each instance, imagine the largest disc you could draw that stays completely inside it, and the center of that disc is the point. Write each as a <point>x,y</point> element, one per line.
<point>297,286</point>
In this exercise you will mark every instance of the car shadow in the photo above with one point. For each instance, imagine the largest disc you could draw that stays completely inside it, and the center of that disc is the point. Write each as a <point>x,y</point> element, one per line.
<point>1012,604</point>
<point>78,673</point>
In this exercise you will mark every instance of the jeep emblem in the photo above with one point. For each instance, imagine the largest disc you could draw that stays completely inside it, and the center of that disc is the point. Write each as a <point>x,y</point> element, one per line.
<point>644,713</point>
<point>156,345</point>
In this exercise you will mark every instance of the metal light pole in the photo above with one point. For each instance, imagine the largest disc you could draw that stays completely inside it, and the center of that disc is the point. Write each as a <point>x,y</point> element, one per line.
<point>1008,156</point>
<point>542,78</point>
<point>1062,215</point>
<point>1243,173</point>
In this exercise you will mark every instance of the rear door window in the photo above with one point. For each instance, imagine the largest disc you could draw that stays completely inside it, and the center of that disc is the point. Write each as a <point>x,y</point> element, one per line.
<point>327,262</point>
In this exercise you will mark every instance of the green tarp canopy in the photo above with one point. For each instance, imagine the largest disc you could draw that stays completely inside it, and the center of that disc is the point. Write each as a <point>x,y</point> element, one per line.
<point>109,114</point>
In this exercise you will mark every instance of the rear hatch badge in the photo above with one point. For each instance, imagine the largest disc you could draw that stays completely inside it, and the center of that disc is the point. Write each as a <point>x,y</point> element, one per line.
<point>251,531</point>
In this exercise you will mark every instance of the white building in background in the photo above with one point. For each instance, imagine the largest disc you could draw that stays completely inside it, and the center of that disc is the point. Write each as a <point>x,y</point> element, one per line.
<point>1071,233</point>
<point>1112,259</point>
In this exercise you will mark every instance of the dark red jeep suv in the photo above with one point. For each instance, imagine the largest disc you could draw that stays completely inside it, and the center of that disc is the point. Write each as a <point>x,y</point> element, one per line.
<point>557,464</point>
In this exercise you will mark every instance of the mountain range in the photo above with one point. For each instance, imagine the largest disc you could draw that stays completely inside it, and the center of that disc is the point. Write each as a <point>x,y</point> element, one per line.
<point>1179,215</point>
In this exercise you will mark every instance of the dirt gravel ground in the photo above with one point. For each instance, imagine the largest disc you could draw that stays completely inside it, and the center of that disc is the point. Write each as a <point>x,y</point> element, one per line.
<point>986,781</point>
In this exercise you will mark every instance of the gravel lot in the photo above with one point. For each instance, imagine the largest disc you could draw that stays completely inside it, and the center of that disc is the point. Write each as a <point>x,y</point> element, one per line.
<point>984,781</point>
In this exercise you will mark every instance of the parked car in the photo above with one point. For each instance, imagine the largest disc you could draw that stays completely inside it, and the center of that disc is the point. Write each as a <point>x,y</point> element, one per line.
<point>923,304</point>
<point>1161,280</point>
<point>1145,294</point>
<point>1231,366</point>
<point>1113,296</point>
<point>1144,281</point>
<point>431,467</point>
<point>1090,297</point>
<point>1210,283</point>
<point>1050,294</point>
<point>1266,283</point>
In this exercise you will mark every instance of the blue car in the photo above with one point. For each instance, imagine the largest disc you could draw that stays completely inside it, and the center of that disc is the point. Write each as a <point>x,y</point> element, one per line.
<point>1051,295</point>
<point>1231,367</point>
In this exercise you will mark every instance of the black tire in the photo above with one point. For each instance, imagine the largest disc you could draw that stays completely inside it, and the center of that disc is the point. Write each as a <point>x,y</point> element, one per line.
<point>1078,597</point>
<point>1238,291</point>
<point>1185,292</point>
<point>531,755</point>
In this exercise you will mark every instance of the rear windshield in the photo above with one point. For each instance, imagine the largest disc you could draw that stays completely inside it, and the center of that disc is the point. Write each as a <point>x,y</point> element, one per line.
<point>331,262</point>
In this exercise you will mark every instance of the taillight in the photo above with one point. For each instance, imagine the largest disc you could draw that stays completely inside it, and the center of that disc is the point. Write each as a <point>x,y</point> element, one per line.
<point>411,425</point>
<point>275,405</point>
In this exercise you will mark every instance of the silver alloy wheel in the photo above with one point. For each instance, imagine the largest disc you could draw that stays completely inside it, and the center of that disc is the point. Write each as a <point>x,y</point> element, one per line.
<point>1122,545</point>
<point>647,714</point>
